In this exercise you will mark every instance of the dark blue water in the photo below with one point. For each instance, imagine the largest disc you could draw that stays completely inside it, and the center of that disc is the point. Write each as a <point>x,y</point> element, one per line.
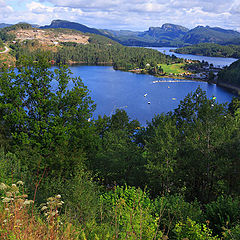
<point>112,89</point>
<point>216,61</point>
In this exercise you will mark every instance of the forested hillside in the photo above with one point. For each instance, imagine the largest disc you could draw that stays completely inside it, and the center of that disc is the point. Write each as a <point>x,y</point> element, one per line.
<point>65,175</point>
<point>70,46</point>
<point>231,74</point>
<point>211,50</point>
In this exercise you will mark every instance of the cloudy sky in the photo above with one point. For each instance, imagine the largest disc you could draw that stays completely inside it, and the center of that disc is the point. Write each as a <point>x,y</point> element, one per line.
<point>124,14</point>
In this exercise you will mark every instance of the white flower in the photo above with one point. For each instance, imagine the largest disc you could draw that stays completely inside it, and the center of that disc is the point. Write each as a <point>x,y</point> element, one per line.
<point>43,208</point>
<point>3,186</point>
<point>20,183</point>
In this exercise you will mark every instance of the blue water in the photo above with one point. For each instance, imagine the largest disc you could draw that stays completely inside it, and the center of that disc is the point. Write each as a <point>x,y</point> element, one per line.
<point>112,89</point>
<point>216,61</point>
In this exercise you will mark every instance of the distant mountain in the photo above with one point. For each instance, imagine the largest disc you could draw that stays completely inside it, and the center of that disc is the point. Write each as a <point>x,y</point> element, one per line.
<point>167,35</point>
<point>3,25</point>
<point>166,31</point>
<point>207,34</point>
<point>72,25</point>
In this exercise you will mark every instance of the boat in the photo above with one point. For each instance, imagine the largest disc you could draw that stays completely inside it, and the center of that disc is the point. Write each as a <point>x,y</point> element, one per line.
<point>149,102</point>
<point>145,95</point>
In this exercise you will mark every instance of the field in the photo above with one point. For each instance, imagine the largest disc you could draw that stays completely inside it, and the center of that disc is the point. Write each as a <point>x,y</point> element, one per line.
<point>173,68</point>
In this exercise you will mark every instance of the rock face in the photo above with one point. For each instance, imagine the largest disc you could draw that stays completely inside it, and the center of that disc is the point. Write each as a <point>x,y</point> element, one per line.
<point>169,31</point>
<point>48,36</point>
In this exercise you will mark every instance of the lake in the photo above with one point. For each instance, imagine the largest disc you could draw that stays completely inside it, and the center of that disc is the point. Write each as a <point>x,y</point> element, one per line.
<point>112,89</point>
<point>216,61</point>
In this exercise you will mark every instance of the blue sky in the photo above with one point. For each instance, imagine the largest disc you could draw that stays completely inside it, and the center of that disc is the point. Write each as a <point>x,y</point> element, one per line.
<point>124,14</point>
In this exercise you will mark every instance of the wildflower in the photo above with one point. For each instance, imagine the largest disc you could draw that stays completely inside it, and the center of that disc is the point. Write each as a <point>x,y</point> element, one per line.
<point>58,196</point>
<point>20,182</point>
<point>43,208</point>
<point>27,202</point>
<point>3,186</point>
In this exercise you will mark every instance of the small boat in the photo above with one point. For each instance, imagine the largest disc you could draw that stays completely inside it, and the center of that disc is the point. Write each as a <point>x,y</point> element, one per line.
<point>145,95</point>
<point>168,87</point>
<point>174,98</point>
<point>149,102</point>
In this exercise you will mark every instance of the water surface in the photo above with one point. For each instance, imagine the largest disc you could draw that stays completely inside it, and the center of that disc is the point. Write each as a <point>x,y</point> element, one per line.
<point>216,61</point>
<point>112,89</point>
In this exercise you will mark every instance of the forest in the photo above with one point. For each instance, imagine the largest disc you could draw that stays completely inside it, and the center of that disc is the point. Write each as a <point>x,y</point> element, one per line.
<point>99,51</point>
<point>65,175</point>
<point>211,50</point>
<point>230,75</point>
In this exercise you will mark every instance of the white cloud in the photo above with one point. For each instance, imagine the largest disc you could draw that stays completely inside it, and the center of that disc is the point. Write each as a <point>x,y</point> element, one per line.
<point>126,14</point>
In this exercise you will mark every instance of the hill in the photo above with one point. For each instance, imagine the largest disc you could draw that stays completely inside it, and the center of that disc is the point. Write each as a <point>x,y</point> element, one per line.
<point>207,34</point>
<point>68,46</point>
<point>3,25</point>
<point>211,50</point>
<point>167,35</point>
<point>71,25</point>
<point>230,76</point>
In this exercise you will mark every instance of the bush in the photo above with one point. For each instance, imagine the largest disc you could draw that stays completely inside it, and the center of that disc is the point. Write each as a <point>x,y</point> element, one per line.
<point>193,231</point>
<point>225,211</point>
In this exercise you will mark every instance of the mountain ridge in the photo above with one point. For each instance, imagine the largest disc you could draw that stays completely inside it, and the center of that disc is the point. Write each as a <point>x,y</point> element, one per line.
<point>168,35</point>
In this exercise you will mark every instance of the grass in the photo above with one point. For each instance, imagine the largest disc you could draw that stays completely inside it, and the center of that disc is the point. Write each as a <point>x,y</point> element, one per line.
<point>173,68</point>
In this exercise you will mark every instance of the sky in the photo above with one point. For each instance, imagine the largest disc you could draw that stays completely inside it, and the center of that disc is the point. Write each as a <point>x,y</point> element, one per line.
<point>136,15</point>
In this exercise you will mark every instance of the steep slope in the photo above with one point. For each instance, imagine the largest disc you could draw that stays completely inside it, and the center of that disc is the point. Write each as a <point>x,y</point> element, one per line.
<point>168,31</point>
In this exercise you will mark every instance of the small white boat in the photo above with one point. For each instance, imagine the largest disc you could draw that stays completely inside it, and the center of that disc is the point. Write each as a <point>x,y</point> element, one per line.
<point>149,102</point>
<point>145,95</point>
<point>174,98</point>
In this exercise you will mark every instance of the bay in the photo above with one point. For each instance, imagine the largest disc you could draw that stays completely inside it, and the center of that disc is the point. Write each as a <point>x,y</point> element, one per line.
<point>111,89</point>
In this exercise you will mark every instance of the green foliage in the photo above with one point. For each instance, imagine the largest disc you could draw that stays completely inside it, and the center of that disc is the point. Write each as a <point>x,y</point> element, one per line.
<point>211,50</point>
<point>119,158</point>
<point>161,147</point>
<point>131,213</point>
<point>224,212</point>
<point>231,233</point>
<point>173,209</point>
<point>230,75</point>
<point>202,142</point>
<point>193,231</point>
<point>234,105</point>
<point>10,167</point>
<point>39,109</point>
<point>81,197</point>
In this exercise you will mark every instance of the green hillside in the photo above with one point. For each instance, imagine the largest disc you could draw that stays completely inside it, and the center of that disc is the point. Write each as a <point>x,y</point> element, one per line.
<point>211,50</point>
<point>231,74</point>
